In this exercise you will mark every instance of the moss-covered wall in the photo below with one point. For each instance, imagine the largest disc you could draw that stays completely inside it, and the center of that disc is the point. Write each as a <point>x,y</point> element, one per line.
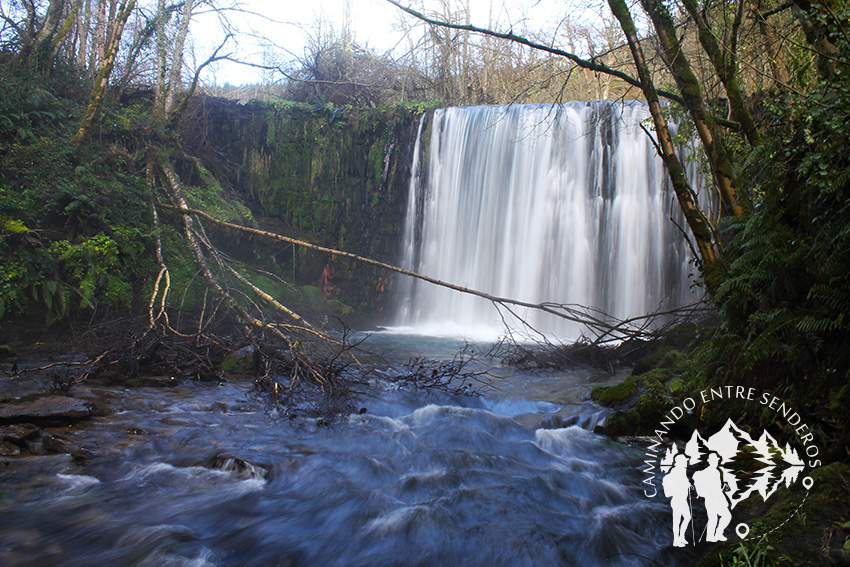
<point>334,176</point>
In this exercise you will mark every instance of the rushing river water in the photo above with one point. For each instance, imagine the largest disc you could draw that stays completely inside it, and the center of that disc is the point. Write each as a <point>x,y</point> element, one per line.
<point>421,478</point>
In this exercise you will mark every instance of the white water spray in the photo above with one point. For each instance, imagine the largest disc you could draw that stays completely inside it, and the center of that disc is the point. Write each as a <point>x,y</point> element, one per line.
<point>566,204</point>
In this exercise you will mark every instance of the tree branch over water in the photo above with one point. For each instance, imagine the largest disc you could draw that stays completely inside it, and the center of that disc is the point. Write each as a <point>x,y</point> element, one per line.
<point>605,327</point>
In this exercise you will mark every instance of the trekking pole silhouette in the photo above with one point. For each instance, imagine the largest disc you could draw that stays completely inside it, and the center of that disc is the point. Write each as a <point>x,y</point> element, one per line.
<point>691,506</point>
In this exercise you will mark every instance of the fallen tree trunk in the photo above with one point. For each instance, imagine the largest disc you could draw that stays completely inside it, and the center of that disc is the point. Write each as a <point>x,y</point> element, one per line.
<point>605,327</point>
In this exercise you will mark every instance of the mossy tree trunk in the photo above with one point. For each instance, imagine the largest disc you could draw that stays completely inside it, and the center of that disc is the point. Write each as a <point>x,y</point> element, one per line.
<point>689,85</point>
<point>697,220</point>
<point>725,65</point>
<point>60,35</point>
<point>814,16</point>
<point>102,82</point>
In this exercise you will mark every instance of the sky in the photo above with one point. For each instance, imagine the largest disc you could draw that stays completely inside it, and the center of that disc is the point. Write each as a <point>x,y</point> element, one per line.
<point>280,28</point>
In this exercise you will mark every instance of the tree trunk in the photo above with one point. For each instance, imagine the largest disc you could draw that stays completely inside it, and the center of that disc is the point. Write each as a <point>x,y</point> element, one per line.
<point>102,81</point>
<point>83,27</point>
<point>161,91</point>
<point>689,86</point>
<point>695,217</point>
<point>98,41</point>
<point>176,70</point>
<point>812,16</point>
<point>42,42</point>
<point>60,35</point>
<point>727,71</point>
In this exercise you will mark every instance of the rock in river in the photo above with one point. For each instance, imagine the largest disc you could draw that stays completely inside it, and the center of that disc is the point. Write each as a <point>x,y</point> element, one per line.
<point>48,410</point>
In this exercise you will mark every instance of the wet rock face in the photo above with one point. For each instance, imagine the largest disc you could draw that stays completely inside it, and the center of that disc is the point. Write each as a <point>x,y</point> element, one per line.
<point>51,443</point>
<point>26,439</point>
<point>18,439</point>
<point>239,467</point>
<point>49,410</point>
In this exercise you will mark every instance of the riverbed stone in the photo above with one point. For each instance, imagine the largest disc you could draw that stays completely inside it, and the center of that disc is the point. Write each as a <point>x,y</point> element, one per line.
<point>51,443</point>
<point>239,467</point>
<point>19,439</point>
<point>20,434</point>
<point>47,410</point>
<point>8,449</point>
<point>82,455</point>
<point>156,381</point>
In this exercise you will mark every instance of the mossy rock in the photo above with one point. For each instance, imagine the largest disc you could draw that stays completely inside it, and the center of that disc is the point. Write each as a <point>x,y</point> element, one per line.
<point>310,265</point>
<point>644,397</point>
<point>677,340</point>
<point>674,361</point>
<point>676,386</point>
<point>340,308</point>
<point>240,364</point>
<point>664,357</point>
<point>649,362</point>
<point>643,417</point>
<point>313,296</point>
<point>12,226</point>
<point>642,401</point>
<point>627,391</point>
<point>813,534</point>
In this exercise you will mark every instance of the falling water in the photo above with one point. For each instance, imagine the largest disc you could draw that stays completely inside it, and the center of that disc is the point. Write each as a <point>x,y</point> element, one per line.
<point>568,204</point>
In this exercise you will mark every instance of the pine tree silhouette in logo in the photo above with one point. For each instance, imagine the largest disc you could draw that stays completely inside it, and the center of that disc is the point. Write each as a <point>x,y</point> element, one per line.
<point>725,468</point>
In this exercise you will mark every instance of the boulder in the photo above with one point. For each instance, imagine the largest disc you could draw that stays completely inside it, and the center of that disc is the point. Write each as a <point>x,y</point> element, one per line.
<point>239,467</point>
<point>21,434</point>
<point>55,444</point>
<point>239,364</point>
<point>7,352</point>
<point>47,410</point>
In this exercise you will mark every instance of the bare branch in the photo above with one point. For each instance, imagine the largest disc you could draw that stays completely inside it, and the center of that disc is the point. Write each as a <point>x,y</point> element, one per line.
<point>602,324</point>
<point>591,65</point>
<point>174,117</point>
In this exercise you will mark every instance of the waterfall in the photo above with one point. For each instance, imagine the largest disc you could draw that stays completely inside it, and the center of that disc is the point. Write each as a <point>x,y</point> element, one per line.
<point>566,204</point>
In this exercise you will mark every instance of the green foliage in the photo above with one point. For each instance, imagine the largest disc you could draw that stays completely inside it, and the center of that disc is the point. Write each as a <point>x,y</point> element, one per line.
<point>27,274</point>
<point>211,200</point>
<point>785,299</point>
<point>755,555</point>
<point>25,108</point>
<point>94,269</point>
<point>73,221</point>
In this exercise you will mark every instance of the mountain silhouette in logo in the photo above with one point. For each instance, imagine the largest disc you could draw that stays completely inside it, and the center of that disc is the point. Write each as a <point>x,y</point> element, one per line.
<point>748,465</point>
<point>723,469</point>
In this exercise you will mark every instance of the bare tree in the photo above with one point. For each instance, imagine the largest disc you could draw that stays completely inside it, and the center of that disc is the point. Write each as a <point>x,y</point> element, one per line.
<point>105,71</point>
<point>172,29</point>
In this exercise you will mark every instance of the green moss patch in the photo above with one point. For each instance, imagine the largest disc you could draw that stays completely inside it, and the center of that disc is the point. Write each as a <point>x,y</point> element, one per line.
<point>642,400</point>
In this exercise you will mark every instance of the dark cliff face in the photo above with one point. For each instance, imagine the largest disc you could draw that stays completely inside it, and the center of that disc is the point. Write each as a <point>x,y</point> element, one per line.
<point>334,176</point>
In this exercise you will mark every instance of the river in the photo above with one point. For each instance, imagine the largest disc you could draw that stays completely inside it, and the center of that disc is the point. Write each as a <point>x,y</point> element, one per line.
<point>420,478</point>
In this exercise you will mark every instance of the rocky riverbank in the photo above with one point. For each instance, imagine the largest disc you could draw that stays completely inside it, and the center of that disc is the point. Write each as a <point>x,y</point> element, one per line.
<point>801,527</point>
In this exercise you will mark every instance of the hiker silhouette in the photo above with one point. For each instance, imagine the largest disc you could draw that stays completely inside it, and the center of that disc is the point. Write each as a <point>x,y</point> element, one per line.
<point>711,487</point>
<point>676,486</point>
